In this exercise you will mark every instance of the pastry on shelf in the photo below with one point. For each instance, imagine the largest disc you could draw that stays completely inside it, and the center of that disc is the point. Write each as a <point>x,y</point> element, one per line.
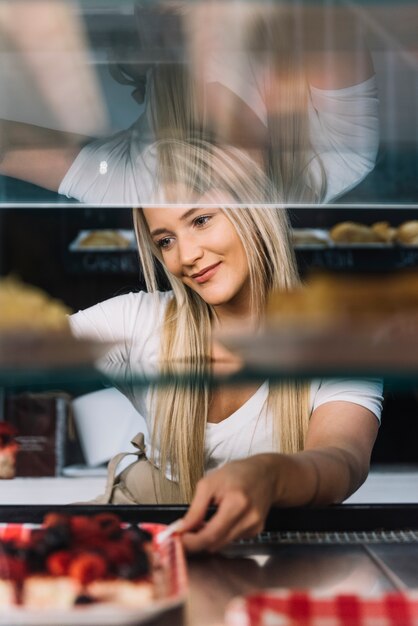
<point>335,299</point>
<point>384,231</point>
<point>25,307</point>
<point>354,232</point>
<point>104,239</point>
<point>407,233</point>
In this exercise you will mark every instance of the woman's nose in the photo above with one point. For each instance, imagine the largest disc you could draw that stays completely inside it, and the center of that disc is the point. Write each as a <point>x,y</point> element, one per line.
<point>190,251</point>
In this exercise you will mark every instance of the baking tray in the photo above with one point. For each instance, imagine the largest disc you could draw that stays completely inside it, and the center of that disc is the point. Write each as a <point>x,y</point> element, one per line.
<point>352,257</point>
<point>129,235</point>
<point>171,560</point>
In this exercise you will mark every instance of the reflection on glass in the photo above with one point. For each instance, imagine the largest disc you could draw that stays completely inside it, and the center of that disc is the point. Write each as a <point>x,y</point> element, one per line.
<point>221,263</point>
<point>292,85</point>
<point>258,88</point>
<point>325,570</point>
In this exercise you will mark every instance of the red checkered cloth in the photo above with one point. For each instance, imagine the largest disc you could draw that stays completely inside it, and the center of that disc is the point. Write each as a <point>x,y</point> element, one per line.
<point>299,608</point>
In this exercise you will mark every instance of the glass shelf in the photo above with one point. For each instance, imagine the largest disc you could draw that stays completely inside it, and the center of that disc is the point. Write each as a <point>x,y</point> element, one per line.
<point>83,379</point>
<point>105,50</point>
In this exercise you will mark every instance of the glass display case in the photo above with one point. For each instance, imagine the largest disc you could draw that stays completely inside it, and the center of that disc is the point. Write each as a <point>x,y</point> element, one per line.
<point>322,96</point>
<point>105,105</point>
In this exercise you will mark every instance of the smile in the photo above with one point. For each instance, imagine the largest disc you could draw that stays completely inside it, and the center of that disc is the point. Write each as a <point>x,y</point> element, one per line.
<point>206,274</point>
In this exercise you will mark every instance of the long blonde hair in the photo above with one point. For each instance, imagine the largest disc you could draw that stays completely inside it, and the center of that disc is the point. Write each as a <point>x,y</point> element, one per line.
<point>276,40</point>
<point>272,41</point>
<point>181,410</point>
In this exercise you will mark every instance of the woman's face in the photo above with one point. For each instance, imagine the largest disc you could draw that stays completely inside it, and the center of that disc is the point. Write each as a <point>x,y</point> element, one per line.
<point>201,247</point>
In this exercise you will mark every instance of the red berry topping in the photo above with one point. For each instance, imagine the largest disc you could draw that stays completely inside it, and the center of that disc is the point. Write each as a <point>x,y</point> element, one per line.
<point>7,429</point>
<point>12,568</point>
<point>58,563</point>
<point>83,528</point>
<point>56,519</point>
<point>109,523</point>
<point>88,567</point>
<point>117,552</point>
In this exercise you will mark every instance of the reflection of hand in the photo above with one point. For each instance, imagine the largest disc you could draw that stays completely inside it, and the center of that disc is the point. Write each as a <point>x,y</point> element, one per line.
<point>243,491</point>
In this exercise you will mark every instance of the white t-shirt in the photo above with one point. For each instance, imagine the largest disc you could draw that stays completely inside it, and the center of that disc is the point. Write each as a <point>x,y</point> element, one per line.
<point>134,322</point>
<point>344,133</point>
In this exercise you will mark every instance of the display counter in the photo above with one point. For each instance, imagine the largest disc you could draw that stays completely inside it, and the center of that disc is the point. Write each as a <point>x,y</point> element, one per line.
<point>366,546</point>
<point>385,484</point>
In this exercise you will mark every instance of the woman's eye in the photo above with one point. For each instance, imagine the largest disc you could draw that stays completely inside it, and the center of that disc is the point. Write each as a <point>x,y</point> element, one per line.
<point>164,242</point>
<point>202,220</point>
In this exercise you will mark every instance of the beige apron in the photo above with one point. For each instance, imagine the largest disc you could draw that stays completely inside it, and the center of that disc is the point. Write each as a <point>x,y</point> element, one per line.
<point>142,482</point>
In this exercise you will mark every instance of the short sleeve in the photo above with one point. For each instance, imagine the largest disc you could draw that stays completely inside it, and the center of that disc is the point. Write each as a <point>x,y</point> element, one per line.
<point>344,131</point>
<point>131,322</point>
<point>365,392</point>
<point>113,170</point>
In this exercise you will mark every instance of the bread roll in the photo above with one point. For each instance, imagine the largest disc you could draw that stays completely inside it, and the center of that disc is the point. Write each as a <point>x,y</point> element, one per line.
<point>25,307</point>
<point>104,239</point>
<point>407,233</point>
<point>384,231</point>
<point>353,232</point>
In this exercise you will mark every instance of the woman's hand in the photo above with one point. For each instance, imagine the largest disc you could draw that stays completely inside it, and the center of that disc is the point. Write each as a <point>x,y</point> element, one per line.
<point>333,465</point>
<point>243,492</point>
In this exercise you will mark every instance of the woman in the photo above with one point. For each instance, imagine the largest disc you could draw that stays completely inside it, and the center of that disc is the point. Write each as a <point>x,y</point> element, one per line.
<point>285,444</point>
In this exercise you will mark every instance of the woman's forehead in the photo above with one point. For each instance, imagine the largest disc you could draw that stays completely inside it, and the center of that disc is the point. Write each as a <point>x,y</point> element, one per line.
<point>181,195</point>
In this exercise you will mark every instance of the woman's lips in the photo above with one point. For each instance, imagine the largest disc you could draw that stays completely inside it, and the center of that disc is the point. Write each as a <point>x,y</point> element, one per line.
<point>207,275</point>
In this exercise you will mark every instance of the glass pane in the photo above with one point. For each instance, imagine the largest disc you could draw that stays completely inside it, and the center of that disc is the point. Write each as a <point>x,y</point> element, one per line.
<point>111,105</point>
<point>321,97</point>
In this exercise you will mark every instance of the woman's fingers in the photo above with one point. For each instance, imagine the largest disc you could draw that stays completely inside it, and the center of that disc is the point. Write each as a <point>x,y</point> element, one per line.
<point>249,525</point>
<point>220,527</point>
<point>243,491</point>
<point>200,504</point>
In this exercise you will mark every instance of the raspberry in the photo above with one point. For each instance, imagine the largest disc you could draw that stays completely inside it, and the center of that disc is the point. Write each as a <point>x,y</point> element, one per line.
<point>117,553</point>
<point>83,528</point>
<point>58,564</point>
<point>56,519</point>
<point>95,543</point>
<point>88,567</point>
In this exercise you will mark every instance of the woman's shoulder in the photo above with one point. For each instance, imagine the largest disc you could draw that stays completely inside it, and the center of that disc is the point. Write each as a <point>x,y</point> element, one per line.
<point>330,98</point>
<point>112,169</point>
<point>122,315</point>
<point>367,392</point>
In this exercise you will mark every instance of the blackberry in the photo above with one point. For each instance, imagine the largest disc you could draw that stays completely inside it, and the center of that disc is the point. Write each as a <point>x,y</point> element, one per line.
<point>84,599</point>
<point>137,569</point>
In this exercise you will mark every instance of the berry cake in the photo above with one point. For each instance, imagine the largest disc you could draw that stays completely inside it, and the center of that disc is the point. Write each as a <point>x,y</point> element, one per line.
<point>78,560</point>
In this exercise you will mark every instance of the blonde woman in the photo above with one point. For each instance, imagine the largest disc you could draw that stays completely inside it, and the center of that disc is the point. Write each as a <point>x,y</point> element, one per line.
<point>243,448</point>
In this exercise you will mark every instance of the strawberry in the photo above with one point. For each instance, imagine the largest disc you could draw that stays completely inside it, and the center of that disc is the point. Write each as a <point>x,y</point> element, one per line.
<point>117,552</point>
<point>55,519</point>
<point>88,567</point>
<point>58,563</point>
<point>83,528</point>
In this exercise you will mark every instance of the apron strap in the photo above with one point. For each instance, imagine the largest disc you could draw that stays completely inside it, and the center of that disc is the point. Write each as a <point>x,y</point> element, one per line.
<point>139,443</point>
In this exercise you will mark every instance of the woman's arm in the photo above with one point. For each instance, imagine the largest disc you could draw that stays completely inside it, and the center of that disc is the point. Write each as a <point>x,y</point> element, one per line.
<point>336,53</point>
<point>333,465</point>
<point>37,155</point>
